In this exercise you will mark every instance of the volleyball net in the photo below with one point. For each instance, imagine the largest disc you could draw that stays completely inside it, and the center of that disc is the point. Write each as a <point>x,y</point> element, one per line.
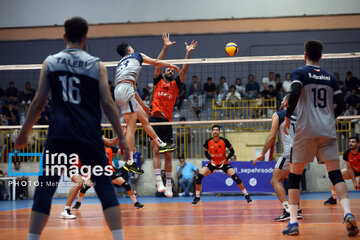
<point>244,122</point>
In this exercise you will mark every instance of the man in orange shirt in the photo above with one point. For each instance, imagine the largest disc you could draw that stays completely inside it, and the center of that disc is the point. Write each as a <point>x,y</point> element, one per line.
<point>166,90</point>
<point>215,151</point>
<point>352,159</point>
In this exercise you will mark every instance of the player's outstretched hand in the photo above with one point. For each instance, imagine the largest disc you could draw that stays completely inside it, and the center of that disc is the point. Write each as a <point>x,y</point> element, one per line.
<point>286,125</point>
<point>20,141</point>
<point>259,158</point>
<point>166,38</point>
<point>192,46</point>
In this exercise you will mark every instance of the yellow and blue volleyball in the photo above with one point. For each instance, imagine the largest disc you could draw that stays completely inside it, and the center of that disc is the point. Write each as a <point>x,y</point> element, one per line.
<point>231,49</point>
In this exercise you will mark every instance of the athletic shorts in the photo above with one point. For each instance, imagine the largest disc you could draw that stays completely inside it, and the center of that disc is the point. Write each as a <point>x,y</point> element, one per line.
<point>164,132</point>
<point>121,172</point>
<point>305,150</point>
<point>283,163</point>
<point>125,97</point>
<point>224,167</point>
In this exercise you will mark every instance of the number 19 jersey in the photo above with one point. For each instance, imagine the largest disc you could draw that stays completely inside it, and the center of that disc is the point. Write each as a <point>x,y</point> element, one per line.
<point>315,109</point>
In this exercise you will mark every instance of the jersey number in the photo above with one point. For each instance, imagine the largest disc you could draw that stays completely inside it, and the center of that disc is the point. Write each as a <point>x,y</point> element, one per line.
<point>123,65</point>
<point>319,97</point>
<point>70,92</point>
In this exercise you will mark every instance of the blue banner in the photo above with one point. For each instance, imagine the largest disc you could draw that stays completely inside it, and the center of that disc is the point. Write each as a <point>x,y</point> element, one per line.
<point>256,178</point>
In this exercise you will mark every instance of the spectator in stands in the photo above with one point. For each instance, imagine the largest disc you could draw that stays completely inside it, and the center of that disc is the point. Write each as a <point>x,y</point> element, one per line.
<point>240,88</point>
<point>351,82</point>
<point>148,90</point>
<point>222,89</point>
<point>11,113</point>
<point>3,120</point>
<point>209,90</point>
<point>233,158</point>
<point>233,96</point>
<point>353,100</point>
<point>27,94</point>
<point>185,172</point>
<point>195,93</point>
<point>181,96</point>
<point>21,182</point>
<point>163,177</point>
<point>287,83</point>
<point>351,111</point>
<point>340,83</point>
<point>252,88</point>
<point>269,80</point>
<point>45,115</point>
<point>12,93</point>
<point>4,195</point>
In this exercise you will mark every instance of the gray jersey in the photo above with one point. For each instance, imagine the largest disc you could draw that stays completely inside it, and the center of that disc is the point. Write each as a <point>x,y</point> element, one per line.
<point>286,140</point>
<point>315,109</point>
<point>129,67</point>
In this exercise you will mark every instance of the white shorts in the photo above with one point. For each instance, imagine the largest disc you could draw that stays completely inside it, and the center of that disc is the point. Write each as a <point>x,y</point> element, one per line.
<point>323,148</point>
<point>283,163</point>
<point>125,97</point>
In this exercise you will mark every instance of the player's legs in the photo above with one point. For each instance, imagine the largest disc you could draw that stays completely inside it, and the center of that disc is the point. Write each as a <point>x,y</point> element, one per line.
<point>231,172</point>
<point>130,119</point>
<point>206,170</point>
<point>157,167</point>
<point>332,200</point>
<point>147,127</point>
<point>277,179</point>
<point>134,180</point>
<point>168,171</point>
<point>78,183</point>
<point>88,184</point>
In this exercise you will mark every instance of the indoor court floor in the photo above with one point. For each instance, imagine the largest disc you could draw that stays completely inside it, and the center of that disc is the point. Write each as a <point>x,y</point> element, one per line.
<point>220,218</point>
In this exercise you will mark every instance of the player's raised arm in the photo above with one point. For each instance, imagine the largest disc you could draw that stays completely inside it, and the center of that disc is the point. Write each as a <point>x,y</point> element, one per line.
<point>189,48</point>
<point>158,63</point>
<point>35,109</point>
<point>167,44</point>
<point>270,140</point>
<point>111,110</point>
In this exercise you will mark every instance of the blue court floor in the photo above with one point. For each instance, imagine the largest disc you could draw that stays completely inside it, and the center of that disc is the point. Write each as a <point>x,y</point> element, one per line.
<point>20,204</point>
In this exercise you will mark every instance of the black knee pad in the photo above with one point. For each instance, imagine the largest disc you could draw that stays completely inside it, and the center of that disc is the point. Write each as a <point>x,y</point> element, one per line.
<point>336,177</point>
<point>236,179</point>
<point>294,181</point>
<point>127,186</point>
<point>199,178</point>
<point>85,188</point>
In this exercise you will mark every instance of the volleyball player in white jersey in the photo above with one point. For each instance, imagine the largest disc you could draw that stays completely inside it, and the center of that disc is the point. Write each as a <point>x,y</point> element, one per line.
<point>128,99</point>
<point>282,167</point>
<point>314,92</point>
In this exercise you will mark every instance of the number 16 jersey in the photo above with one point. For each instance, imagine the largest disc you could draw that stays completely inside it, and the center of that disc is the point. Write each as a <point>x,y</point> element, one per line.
<point>315,109</point>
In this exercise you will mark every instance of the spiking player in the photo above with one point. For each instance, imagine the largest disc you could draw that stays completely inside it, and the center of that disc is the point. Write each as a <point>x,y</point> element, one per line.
<point>314,92</point>
<point>215,150</point>
<point>77,91</point>
<point>282,167</point>
<point>132,107</point>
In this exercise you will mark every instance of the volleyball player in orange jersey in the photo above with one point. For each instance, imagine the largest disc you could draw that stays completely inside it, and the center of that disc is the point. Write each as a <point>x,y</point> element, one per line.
<point>166,90</point>
<point>215,150</point>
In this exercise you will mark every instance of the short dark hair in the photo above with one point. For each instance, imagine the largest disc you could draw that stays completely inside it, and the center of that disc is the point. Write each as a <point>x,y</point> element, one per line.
<point>232,86</point>
<point>356,139</point>
<point>75,29</point>
<point>215,126</point>
<point>313,49</point>
<point>122,49</point>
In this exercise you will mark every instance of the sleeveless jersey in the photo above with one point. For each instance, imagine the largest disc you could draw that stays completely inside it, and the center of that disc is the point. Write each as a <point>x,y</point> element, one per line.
<point>75,115</point>
<point>165,94</point>
<point>354,160</point>
<point>315,110</point>
<point>217,150</point>
<point>129,67</point>
<point>286,140</point>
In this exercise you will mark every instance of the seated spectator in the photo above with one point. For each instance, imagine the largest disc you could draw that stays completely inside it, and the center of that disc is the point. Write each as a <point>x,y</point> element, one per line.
<point>287,83</point>
<point>209,90</point>
<point>11,113</point>
<point>148,90</point>
<point>353,100</point>
<point>12,93</point>
<point>195,93</point>
<point>252,88</point>
<point>340,83</point>
<point>233,97</point>
<point>27,94</point>
<point>21,182</point>
<point>45,115</point>
<point>233,158</point>
<point>240,88</point>
<point>4,195</point>
<point>351,82</point>
<point>222,89</point>
<point>163,177</point>
<point>185,173</point>
<point>139,159</point>
<point>181,96</point>
<point>269,80</point>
